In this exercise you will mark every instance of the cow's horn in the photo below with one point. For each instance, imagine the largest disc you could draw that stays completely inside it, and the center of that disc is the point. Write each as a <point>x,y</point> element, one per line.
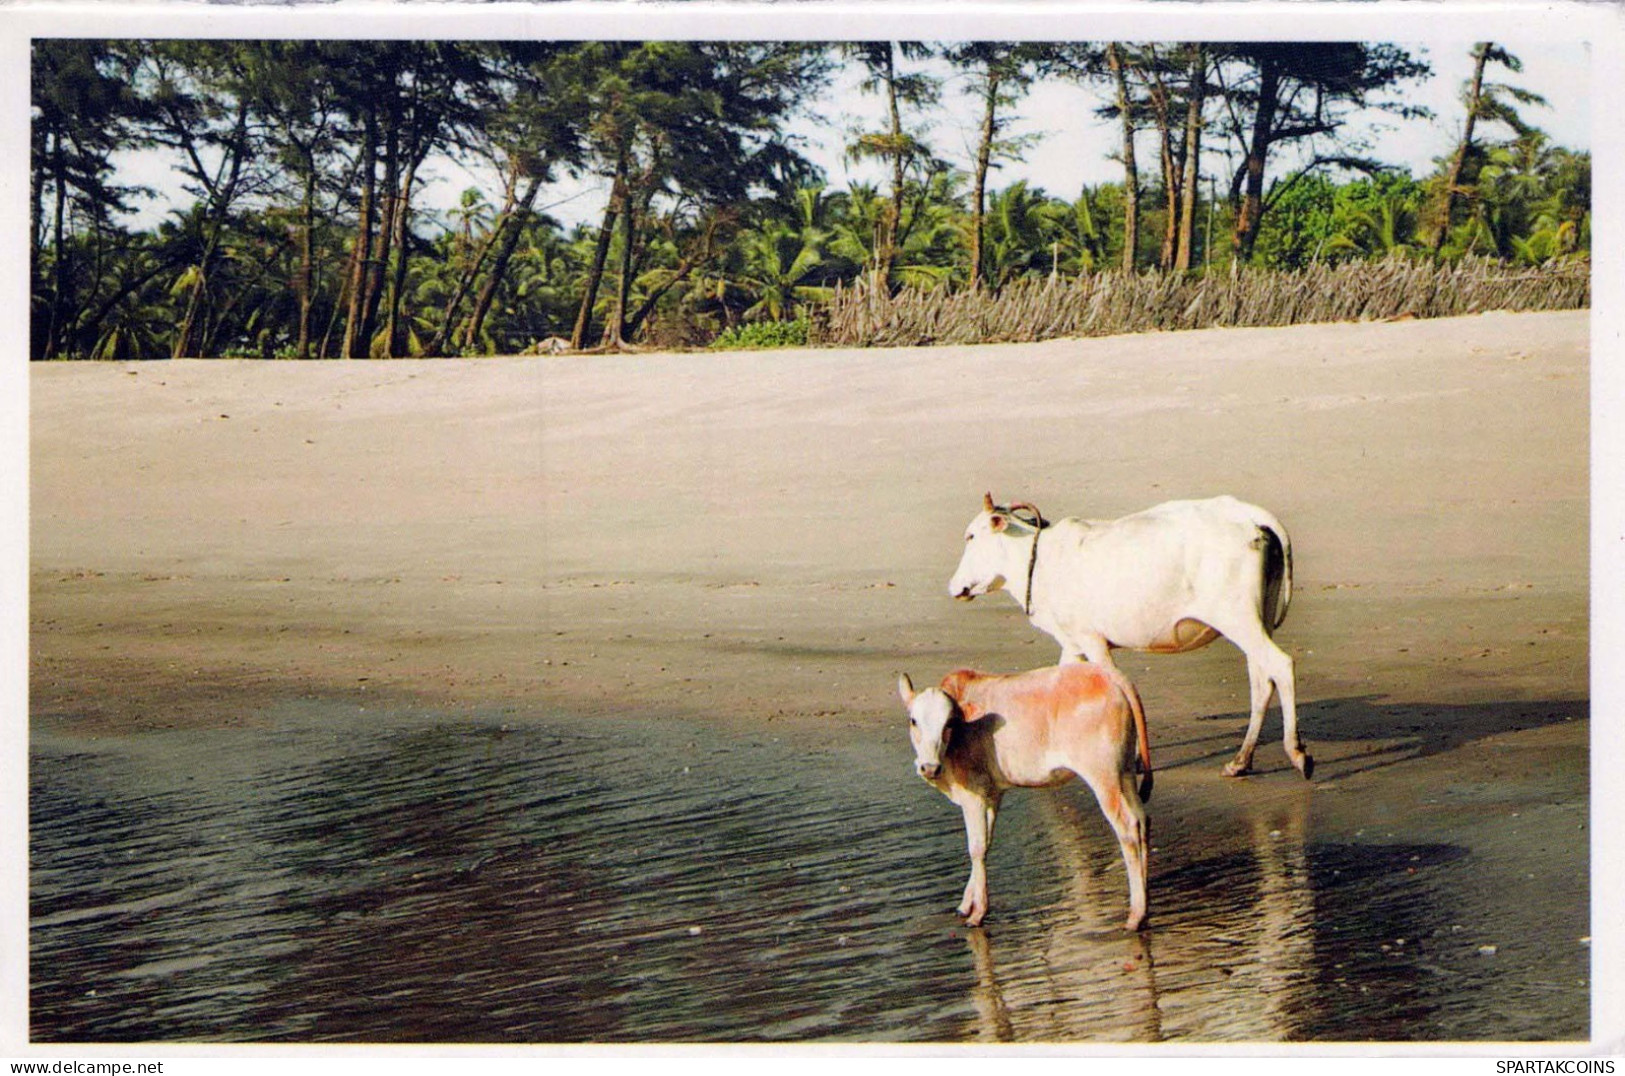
<point>987,502</point>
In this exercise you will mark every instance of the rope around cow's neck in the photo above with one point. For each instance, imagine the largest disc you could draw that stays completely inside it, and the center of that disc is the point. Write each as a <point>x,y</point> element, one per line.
<point>1032,562</point>
<point>1032,557</point>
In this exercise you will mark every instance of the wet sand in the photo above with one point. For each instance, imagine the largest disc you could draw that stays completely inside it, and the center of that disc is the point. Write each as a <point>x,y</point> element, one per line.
<point>491,619</point>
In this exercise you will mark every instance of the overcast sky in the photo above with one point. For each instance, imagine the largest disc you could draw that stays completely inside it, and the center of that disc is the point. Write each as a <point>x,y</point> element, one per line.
<point>1075,145</point>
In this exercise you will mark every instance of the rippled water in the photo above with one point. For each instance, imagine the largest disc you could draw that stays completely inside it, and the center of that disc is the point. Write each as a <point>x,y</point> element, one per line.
<point>417,878</point>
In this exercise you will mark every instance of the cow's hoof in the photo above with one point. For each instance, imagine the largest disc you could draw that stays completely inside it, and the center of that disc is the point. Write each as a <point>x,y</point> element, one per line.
<point>1133,925</point>
<point>1237,769</point>
<point>1307,766</point>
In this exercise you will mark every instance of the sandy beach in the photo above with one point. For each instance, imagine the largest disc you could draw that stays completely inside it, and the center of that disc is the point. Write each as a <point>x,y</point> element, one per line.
<point>744,549</point>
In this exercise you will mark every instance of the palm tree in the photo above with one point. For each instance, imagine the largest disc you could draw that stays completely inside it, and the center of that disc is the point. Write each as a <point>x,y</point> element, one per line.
<point>858,223</point>
<point>1484,101</point>
<point>1075,233</point>
<point>1017,234</point>
<point>895,144</point>
<point>781,263</point>
<point>1376,218</point>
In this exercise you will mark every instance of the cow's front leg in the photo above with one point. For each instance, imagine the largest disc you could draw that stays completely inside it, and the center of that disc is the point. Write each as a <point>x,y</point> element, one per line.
<point>978,829</point>
<point>1093,648</point>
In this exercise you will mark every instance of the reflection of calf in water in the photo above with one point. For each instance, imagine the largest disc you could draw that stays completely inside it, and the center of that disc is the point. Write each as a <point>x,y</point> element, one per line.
<point>1109,984</point>
<point>977,736</point>
<point>1234,949</point>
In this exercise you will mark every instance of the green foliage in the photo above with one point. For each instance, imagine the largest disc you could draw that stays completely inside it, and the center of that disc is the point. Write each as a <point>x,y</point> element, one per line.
<point>273,143</point>
<point>758,335</point>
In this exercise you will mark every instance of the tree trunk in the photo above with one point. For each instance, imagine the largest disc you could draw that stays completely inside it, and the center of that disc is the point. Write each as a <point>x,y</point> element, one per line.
<point>595,273</point>
<point>514,221</point>
<point>615,330</point>
<point>1172,178</point>
<point>448,322</point>
<point>397,284</point>
<point>892,230</point>
<point>1193,160</point>
<point>1252,199</point>
<point>341,306</point>
<point>191,339</point>
<point>183,336</point>
<point>53,342</point>
<point>1447,197</point>
<point>685,266</point>
<point>307,258</point>
<point>984,154</point>
<point>377,268</point>
<point>355,330</point>
<point>1131,175</point>
<point>645,308</point>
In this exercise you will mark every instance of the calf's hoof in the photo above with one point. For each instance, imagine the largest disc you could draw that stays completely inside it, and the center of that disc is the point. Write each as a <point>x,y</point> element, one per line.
<point>1134,923</point>
<point>1238,768</point>
<point>1305,763</point>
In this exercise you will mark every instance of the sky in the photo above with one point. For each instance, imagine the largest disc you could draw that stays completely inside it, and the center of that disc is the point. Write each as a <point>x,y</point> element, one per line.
<point>1074,145</point>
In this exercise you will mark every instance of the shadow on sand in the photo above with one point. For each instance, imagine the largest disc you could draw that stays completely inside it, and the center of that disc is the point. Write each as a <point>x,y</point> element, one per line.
<point>1362,733</point>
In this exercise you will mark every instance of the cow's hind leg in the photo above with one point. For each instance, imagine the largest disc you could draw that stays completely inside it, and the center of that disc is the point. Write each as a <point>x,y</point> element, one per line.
<point>1261,689</point>
<point>1120,803</point>
<point>1269,668</point>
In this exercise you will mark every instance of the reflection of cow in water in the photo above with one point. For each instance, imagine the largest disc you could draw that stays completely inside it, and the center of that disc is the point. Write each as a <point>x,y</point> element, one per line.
<point>1169,579</point>
<point>977,736</point>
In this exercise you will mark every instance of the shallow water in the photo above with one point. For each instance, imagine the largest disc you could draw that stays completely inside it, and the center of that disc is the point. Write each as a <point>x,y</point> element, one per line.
<point>423,878</point>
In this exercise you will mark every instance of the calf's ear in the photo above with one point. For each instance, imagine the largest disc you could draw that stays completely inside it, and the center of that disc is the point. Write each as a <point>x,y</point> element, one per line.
<point>905,688</point>
<point>997,522</point>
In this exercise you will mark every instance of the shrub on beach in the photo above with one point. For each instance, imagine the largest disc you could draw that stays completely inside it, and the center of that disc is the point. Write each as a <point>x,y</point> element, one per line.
<point>763,334</point>
<point>1105,304</point>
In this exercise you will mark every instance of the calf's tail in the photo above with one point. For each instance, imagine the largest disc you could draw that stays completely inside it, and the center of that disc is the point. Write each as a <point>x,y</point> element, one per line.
<point>1126,686</point>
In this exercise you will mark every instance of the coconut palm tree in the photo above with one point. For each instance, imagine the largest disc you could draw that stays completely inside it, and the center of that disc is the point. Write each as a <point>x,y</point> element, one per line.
<point>781,265</point>
<point>1017,230</point>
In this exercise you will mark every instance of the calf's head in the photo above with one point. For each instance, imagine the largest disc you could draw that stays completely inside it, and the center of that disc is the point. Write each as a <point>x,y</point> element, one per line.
<point>931,716</point>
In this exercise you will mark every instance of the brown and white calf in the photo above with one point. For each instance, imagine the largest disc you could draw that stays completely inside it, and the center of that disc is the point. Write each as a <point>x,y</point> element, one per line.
<point>977,735</point>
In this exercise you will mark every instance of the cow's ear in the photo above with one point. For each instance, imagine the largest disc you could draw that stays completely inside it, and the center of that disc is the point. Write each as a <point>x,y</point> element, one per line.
<point>905,689</point>
<point>997,522</point>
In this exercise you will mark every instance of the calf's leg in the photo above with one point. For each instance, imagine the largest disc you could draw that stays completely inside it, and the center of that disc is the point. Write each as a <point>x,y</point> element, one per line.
<point>978,832</point>
<point>1119,800</point>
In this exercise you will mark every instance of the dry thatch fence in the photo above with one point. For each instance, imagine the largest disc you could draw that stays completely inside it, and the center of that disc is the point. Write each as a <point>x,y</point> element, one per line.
<point>1110,303</point>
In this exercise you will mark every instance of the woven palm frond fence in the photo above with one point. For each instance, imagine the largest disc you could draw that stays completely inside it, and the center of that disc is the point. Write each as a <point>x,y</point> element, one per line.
<point>1109,303</point>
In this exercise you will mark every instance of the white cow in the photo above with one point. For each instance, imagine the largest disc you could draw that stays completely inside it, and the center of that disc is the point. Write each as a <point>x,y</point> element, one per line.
<point>1169,579</point>
<point>976,736</point>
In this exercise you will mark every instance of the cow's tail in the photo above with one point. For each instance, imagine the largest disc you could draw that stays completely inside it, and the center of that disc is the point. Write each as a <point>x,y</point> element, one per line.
<point>1126,686</point>
<point>1277,550</point>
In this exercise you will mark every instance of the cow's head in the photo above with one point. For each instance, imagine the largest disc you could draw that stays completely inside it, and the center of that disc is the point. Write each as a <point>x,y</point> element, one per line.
<point>931,717</point>
<point>986,563</point>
